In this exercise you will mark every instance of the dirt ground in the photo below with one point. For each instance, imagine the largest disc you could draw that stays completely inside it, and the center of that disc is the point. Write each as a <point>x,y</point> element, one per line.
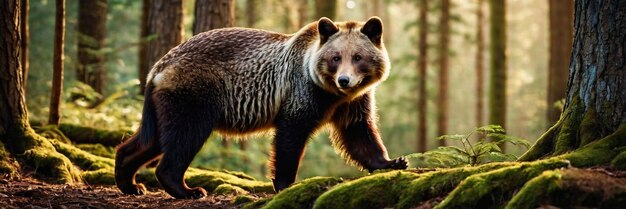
<point>31,193</point>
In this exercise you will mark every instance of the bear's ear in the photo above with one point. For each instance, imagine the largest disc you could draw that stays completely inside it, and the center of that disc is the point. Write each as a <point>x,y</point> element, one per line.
<point>373,29</point>
<point>326,28</point>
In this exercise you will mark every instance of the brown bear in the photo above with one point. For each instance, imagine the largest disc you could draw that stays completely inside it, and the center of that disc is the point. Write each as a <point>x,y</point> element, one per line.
<point>237,81</point>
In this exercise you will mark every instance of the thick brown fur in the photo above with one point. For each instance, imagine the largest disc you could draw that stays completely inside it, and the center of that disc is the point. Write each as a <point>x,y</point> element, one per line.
<point>238,81</point>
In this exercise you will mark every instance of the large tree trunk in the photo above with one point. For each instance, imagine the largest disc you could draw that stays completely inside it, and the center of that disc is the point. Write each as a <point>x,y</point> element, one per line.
<point>480,67</point>
<point>421,82</point>
<point>213,14</point>
<point>92,18</point>
<point>561,36</point>
<point>143,66</point>
<point>497,80</point>
<point>251,13</point>
<point>165,22</point>
<point>57,65</point>
<point>325,8</point>
<point>442,99</point>
<point>15,130</point>
<point>25,38</point>
<point>595,105</point>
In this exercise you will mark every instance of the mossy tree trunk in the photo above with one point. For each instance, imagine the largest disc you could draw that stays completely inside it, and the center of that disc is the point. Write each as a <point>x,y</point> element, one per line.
<point>15,131</point>
<point>595,105</point>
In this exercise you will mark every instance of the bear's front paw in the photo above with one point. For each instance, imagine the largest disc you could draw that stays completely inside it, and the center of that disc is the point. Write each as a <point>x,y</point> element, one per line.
<point>398,163</point>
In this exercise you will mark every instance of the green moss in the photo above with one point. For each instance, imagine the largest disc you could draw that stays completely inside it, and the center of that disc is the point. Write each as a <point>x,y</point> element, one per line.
<point>535,189</point>
<point>432,184</point>
<point>375,191</point>
<point>600,151</point>
<point>89,135</point>
<point>51,132</point>
<point>53,164</point>
<point>227,189</point>
<point>104,176</point>
<point>590,129</point>
<point>85,160</point>
<point>544,144</point>
<point>210,180</point>
<point>302,194</point>
<point>6,164</point>
<point>485,188</point>
<point>98,149</point>
<point>567,137</point>
<point>619,162</point>
<point>241,199</point>
<point>257,204</point>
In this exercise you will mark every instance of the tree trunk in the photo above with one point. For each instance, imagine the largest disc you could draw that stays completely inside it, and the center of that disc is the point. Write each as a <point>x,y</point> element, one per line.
<point>57,65</point>
<point>165,22</point>
<point>480,67</point>
<point>213,14</point>
<point>15,130</point>
<point>442,99</point>
<point>421,83</point>
<point>24,12</point>
<point>92,17</point>
<point>595,105</point>
<point>325,8</point>
<point>497,80</point>
<point>143,66</point>
<point>561,36</point>
<point>251,13</point>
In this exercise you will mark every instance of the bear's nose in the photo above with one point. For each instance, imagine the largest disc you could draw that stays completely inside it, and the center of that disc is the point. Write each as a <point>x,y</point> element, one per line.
<point>343,81</point>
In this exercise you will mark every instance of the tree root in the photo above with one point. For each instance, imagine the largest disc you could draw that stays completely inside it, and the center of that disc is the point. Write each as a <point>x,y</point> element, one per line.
<point>302,194</point>
<point>493,186</point>
<point>374,191</point>
<point>570,188</point>
<point>432,184</point>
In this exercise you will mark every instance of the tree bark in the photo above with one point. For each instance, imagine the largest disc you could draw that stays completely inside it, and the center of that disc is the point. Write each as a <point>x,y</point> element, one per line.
<point>595,105</point>
<point>213,14</point>
<point>561,37</point>
<point>92,17</point>
<point>421,83</point>
<point>12,103</point>
<point>442,99</point>
<point>325,8</point>
<point>497,80</point>
<point>480,66</point>
<point>143,45</point>
<point>165,22</point>
<point>57,65</point>
<point>24,12</point>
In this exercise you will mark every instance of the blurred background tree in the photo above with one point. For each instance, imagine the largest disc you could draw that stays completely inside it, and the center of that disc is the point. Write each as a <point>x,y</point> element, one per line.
<point>129,30</point>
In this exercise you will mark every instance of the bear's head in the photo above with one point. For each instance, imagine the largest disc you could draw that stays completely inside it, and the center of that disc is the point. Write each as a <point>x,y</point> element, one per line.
<point>350,58</point>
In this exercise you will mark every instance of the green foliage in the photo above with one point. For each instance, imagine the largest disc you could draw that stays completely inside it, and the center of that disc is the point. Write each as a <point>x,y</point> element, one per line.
<point>483,151</point>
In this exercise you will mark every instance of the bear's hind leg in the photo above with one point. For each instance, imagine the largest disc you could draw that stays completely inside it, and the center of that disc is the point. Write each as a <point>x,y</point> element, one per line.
<point>130,156</point>
<point>185,123</point>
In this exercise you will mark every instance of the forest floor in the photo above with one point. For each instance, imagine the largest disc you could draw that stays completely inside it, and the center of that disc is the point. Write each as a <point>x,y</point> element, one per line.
<point>31,193</point>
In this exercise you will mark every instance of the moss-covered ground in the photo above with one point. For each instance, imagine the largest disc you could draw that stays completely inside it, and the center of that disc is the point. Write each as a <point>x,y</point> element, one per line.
<point>570,179</point>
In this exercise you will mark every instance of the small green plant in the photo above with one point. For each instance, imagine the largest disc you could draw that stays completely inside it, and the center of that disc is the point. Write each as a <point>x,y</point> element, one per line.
<point>485,150</point>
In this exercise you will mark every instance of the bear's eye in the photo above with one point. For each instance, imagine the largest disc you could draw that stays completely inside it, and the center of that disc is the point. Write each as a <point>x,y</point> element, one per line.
<point>357,57</point>
<point>336,58</point>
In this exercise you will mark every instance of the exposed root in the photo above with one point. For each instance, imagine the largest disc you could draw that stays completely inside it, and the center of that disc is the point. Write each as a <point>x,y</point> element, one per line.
<point>600,151</point>
<point>302,194</point>
<point>375,191</point>
<point>432,184</point>
<point>491,188</point>
<point>572,188</point>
